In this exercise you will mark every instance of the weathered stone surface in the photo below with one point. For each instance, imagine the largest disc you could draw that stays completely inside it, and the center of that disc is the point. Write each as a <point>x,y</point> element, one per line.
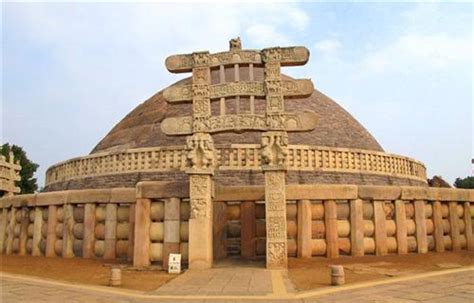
<point>379,192</point>
<point>320,192</point>
<point>88,195</point>
<point>123,195</point>
<point>152,189</point>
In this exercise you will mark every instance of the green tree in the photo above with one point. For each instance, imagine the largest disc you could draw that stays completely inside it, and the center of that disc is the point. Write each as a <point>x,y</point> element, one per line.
<point>467,182</point>
<point>28,168</point>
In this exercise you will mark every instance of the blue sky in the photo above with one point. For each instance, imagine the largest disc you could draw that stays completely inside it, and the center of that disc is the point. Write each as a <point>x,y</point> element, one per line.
<point>71,71</point>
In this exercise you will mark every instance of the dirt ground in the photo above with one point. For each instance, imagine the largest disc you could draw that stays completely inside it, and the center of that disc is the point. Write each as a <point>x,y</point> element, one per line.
<point>315,272</point>
<point>304,273</point>
<point>83,271</point>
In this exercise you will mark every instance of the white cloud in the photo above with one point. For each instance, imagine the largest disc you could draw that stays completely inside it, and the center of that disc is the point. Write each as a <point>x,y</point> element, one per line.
<point>328,46</point>
<point>266,35</point>
<point>413,52</point>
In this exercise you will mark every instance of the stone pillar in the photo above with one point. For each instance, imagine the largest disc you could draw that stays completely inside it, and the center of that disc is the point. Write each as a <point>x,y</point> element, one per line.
<point>219,230</point>
<point>38,226</point>
<point>438,231</point>
<point>357,228</point>
<point>171,229</point>
<point>468,228</point>
<point>330,222</point>
<point>401,227</point>
<point>200,221</point>
<point>110,231</point>
<point>11,231</point>
<point>380,229</point>
<point>25,221</point>
<point>141,248</point>
<point>275,216</point>
<point>51,236</point>
<point>454,222</point>
<point>304,229</point>
<point>247,231</point>
<point>131,233</point>
<point>420,223</point>
<point>89,229</point>
<point>68,235</point>
<point>3,229</point>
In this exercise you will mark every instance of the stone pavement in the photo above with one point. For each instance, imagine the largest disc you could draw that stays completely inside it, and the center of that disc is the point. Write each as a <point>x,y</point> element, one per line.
<point>220,281</point>
<point>448,286</point>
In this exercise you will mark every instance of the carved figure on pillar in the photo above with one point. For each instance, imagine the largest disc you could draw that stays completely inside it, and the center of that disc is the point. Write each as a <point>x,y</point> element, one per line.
<point>200,151</point>
<point>274,149</point>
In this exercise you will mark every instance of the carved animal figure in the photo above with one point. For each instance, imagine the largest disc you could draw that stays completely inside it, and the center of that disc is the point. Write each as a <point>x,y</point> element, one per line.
<point>235,44</point>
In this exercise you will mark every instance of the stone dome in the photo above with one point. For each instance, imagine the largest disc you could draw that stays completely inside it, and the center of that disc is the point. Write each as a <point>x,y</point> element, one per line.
<point>339,150</point>
<point>141,127</point>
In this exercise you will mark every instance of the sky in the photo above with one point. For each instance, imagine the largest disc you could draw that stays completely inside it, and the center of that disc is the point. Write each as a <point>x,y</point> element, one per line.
<point>71,71</point>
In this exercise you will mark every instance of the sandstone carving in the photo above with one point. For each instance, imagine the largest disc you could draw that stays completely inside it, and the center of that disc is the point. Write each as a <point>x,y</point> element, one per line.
<point>235,44</point>
<point>200,151</point>
<point>290,56</point>
<point>288,121</point>
<point>276,255</point>
<point>274,149</point>
<point>289,88</point>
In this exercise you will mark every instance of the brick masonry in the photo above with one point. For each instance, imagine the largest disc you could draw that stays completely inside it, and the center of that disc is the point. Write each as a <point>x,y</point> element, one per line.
<point>231,178</point>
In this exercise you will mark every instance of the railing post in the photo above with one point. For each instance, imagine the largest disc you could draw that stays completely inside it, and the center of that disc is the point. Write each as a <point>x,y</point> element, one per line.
<point>110,231</point>
<point>247,232</point>
<point>380,228</point>
<point>357,228</point>
<point>51,236</point>
<point>89,229</point>
<point>401,227</point>
<point>141,248</point>
<point>171,228</point>
<point>11,231</point>
<point>304,229</point>
<point>25,220</point>
<point>468,228</point>
<point>38,226</point>
<point>438,226</point>
<point>3,230</point>
<point>330,220</point>
<point>420,222</point>
<point>131,233</point>
<point>68,235</point>
<point>454,222</point>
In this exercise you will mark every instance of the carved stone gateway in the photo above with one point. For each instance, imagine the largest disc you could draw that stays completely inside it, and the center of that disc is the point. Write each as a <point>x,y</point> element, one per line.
<point>274,123</point>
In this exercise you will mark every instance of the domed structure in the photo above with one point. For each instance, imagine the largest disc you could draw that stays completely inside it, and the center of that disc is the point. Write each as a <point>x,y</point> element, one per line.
<point>338,149</point>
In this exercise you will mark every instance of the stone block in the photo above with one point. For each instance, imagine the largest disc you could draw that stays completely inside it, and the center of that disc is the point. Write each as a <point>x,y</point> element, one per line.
<point>239,193</point>
<point>89,196</point>
<point>321,192</point>
<point>51,198</point>
<point>123,195</point>
<point>367,192</point>
<point>162,190</point>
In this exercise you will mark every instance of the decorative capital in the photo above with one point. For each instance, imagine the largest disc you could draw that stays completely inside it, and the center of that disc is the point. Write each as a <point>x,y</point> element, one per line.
<point>200,154</point>
<point>235,44</point>
<point>274,150</point>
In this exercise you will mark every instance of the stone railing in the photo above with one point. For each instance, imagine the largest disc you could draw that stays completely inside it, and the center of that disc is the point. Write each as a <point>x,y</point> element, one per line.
<point>238,157</point>
<point>333,220</point>
<point>9,174</point>
<point>147,223</point>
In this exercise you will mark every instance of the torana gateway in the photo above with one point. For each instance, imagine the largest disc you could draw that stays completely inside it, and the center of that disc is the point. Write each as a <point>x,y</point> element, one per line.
<point>239,161</point>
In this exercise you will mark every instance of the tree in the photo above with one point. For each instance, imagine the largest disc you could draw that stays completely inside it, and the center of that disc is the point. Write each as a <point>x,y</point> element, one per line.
<point>28,168</point>
<point>467,182</point>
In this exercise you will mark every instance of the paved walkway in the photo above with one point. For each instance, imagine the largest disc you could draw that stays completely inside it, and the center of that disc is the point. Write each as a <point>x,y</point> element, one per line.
<point>449,286</point>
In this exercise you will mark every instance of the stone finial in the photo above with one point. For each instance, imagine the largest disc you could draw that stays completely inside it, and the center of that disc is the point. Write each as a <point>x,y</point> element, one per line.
<point>235,44</point>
